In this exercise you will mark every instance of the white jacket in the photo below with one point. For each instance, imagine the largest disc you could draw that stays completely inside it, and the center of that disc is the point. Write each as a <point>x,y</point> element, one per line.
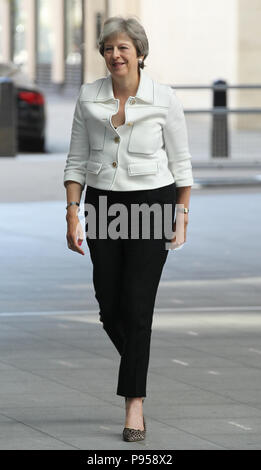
<point>148,151</point>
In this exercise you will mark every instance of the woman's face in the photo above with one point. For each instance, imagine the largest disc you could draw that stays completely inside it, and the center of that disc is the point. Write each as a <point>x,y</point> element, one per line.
<point>119,49</point>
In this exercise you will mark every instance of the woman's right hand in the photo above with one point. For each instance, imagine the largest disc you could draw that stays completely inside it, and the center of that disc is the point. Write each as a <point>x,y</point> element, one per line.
<point>74,234</point>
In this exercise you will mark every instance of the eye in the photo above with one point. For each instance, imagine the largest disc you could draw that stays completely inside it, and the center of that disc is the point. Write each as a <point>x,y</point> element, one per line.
<point>122,47</point>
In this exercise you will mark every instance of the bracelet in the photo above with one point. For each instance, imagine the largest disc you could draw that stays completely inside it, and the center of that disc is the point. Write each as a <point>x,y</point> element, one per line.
<point>72,203</point>
<point>185,210</point>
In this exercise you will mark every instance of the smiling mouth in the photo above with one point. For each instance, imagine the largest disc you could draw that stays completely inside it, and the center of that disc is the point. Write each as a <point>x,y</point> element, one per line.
<point>119,63</point>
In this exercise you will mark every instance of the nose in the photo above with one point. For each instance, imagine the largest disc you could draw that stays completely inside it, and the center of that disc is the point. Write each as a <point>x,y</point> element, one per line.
<point>115,52</point>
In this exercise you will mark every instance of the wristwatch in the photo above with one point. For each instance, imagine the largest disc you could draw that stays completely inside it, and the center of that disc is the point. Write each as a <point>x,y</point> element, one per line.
<point>185,210</point>
<point>72,203</point>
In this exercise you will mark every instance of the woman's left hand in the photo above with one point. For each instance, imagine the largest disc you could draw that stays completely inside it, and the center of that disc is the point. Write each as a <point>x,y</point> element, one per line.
<point>180,229</point>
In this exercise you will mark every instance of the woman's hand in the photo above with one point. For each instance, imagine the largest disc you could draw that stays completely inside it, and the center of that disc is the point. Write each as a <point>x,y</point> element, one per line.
<point>180,229</point>
<point>74,233</point>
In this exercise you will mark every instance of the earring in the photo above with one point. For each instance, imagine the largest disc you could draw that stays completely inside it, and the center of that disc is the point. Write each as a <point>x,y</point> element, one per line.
<point>140,61</point>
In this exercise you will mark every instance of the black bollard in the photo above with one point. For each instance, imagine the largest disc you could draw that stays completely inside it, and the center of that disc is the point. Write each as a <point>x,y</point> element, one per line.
<point>8,145</point>
<point>219,137</point>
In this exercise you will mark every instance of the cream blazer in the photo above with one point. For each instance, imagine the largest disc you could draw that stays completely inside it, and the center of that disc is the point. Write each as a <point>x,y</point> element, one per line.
<point>148,151</point>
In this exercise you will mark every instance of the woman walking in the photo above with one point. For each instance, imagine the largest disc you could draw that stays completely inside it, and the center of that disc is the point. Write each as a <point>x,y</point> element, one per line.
<point>129,146</point>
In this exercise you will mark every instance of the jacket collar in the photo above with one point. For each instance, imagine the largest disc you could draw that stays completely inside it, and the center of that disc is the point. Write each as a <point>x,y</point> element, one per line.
<point>144,93</point>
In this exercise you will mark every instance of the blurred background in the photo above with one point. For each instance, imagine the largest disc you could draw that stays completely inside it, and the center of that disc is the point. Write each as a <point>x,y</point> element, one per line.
<point>191,42</point>
<point>194,44</point>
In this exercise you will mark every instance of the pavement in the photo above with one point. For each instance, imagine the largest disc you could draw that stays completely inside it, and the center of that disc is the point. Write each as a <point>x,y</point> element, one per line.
<point>59,374</point>
<point>59,369</point>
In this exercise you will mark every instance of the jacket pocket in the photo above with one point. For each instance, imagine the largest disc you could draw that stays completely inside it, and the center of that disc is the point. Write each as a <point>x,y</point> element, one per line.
<point>143,168</point>
<point>96,132</point>
<point>144,138</point>
<point>94,167</point>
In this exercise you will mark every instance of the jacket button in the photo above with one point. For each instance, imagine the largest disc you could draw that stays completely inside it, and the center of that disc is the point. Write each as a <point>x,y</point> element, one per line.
<point>116,139</point>
<point>130,124</point>
<point>132,101</point>
<point>114,164</point>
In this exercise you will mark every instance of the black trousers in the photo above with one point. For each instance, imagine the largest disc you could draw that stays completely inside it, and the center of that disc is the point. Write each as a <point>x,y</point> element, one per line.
<point>126,275</point>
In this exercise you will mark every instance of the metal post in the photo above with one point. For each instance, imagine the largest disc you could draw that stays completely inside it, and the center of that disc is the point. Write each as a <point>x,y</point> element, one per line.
<point>8,145</point>
<point>219,141</point>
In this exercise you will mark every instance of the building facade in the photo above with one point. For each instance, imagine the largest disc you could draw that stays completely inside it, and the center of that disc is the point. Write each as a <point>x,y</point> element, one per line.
<point>55,42</point>
<point>191,42</point>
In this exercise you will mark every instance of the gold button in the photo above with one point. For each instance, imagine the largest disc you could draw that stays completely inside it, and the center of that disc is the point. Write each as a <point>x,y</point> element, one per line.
<point>116,139</point>
<point>114,164</point>
<point>130,124</point>
<point>133,101</point>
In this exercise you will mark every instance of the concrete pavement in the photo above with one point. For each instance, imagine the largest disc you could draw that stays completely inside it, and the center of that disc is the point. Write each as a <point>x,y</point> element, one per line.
<point>58,369</point>
<point>59,373</point>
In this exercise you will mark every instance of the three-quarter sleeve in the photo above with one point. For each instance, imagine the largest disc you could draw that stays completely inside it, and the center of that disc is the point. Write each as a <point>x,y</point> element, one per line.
<point>75,167</point>
<point>176,143</point>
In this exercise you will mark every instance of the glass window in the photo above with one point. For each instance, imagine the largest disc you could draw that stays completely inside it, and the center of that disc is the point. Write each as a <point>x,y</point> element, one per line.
<point>45,37</point>
<point>19,17</point>
<point>73,31</point>
<point>98,28</point>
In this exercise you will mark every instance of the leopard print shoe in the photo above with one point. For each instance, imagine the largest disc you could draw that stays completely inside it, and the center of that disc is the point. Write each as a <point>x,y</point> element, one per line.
<point>132,435</point>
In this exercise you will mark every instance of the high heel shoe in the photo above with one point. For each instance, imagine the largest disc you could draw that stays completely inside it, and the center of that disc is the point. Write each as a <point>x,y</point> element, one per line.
<point>131,435</point>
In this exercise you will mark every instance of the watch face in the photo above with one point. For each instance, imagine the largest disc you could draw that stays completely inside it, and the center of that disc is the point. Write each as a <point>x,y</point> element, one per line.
<point>183,211</point>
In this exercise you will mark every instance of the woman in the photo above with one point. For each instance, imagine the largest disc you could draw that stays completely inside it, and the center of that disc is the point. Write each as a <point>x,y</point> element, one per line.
<point>129,146</point>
